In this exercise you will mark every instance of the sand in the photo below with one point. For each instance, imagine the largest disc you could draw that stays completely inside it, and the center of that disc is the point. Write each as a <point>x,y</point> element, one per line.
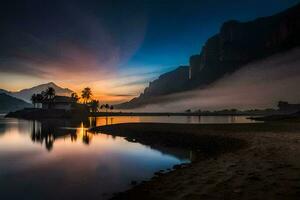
<point>252,161</point>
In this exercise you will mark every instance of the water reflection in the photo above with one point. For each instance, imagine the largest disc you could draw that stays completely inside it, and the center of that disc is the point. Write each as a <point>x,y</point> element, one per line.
<point>46,132</point>
<point>100,121</point>
<point>37,157</point>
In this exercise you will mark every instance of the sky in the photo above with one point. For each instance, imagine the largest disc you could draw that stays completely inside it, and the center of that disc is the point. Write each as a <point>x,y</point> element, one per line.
<point>114,47</point>
<point>258,85</point>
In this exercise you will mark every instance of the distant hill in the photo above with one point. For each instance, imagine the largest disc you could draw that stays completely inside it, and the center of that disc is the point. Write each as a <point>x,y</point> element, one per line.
<point>9,103</point>
<point>3,91</point>
<point>26,94</point>
<point>236,45</point>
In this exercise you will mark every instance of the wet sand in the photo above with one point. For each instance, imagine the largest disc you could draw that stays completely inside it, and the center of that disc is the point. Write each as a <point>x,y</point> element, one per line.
<point>231,161</point>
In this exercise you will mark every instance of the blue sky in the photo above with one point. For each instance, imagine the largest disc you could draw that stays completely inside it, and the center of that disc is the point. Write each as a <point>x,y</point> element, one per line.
<point>177,31</point>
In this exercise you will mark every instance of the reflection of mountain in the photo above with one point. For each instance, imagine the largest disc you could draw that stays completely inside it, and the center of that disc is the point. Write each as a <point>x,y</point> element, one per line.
<point>9,103</point>
<point>26,94</point>
<point>236,45</point>
<point>180,153</point>
<point>48,131</point>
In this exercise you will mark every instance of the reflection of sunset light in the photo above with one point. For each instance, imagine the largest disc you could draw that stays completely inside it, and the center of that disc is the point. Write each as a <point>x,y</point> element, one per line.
<point>100,121</point>
<point>82,132</point>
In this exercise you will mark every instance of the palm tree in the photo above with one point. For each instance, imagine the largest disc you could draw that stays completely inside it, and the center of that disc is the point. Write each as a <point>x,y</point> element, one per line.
<point>39,98</point>
<point>106,106</point>
<point>74,96</point>
<point>94,105</point>
<point>111,107</point>
<point>86,94</point>
<point>33,100</point>
<point>50,93</point>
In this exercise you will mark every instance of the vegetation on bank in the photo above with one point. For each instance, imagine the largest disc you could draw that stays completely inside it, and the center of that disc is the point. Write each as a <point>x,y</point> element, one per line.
<point>86,99</point>
<point>49,105</point>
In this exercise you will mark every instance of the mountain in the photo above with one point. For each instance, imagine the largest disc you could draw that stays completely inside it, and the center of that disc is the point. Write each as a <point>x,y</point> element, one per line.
<point>236,44</point>
<point>26,94</point>
<point>165,84</point>
<point>3,91</point>
<point>239,43</point>
<point>9,103</point>
<point>12,101</point>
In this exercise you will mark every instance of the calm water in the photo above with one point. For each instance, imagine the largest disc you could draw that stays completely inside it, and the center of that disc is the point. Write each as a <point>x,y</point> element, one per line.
<point>174,119</point>
<point>58,159</point>
<point>61,160</point>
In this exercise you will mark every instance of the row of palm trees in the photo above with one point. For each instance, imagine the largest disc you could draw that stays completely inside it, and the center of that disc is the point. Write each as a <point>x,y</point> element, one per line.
<point>86,95</point>
<point>49,95</point>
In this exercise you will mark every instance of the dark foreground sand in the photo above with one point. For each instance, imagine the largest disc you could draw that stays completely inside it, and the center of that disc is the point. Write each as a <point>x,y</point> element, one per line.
<point>233,161</point>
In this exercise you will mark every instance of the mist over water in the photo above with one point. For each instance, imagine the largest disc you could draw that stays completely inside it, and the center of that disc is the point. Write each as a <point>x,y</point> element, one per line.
<point>257,85</point>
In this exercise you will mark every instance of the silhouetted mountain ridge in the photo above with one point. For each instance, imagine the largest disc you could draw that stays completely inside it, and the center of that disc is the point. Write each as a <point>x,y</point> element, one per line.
<point>161,85</point>
<point>237,44</point>
<point>9,103</point>
<point>26,94</point>
<point>3,91</point>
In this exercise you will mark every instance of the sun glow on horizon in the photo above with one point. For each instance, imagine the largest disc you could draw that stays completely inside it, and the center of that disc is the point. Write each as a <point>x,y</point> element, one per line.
<point>113,87</point>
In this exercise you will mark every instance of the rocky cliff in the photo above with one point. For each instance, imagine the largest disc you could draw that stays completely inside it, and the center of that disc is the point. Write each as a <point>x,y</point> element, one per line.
<point>234,46</point>
<point>167,83</point>
<point>240,43</point>
<point>170,82</point>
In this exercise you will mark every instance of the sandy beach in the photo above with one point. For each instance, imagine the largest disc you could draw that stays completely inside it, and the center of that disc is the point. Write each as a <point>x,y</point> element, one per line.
<point>231,161</point>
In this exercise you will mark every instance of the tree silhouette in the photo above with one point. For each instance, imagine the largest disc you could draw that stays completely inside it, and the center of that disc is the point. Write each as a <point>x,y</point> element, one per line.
<point>94,105</point>
<point>106,106</point>
<point>86,94</point>
<point>43,93</point>
<point>74,96</point>
<point>33,100</point>
<point>39,98</point>
<point>50,93</point>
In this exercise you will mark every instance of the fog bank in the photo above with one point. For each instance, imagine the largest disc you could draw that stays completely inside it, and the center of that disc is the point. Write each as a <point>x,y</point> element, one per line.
<point>257,85</point>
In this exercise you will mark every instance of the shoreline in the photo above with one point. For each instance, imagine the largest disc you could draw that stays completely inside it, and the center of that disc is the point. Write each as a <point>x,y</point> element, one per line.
<point>34,113</point>
<point>104,114</point>
<point>251,161</point>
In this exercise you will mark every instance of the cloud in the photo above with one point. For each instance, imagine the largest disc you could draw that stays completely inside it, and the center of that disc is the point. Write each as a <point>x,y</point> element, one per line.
<point>121,95</point>
<point>68,41</point>
<point>137,82</point>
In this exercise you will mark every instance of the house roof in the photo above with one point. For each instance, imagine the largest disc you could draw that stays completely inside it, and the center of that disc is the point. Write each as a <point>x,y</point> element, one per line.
<point>61,99</point>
